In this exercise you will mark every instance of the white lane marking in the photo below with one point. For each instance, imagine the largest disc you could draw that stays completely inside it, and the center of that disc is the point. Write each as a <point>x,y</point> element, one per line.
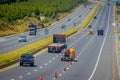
<point>12,79</point>
<point>86,46</point>
<point>50,61</point>
<point>100,50</point>
<point>60,74</point>
<point>20,76</point>
<point>68,68</point>
<point>41,67</point>
<point>35,70</point>
<point>45,64</point>
<point>77,40</point>
<point>28,73</point>
<point>53,58</point>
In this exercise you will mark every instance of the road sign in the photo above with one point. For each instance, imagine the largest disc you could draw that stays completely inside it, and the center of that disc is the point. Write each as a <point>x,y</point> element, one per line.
<point>118,3</point>
<point>118,37</point>
<point>46,31</point>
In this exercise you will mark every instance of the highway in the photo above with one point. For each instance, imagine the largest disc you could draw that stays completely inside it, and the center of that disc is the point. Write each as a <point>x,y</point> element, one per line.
<point>93,56</point>
<point>11,43</point>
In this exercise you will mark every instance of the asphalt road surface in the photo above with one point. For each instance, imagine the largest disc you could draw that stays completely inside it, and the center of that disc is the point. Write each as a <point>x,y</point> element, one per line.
<point>93,56</point>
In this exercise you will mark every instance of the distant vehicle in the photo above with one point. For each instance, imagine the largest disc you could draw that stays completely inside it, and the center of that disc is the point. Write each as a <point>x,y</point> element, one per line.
<point>68,54</point>
<point>90,8</point>
<point>95,17</point>
<point>32,29</point>
<point>22,38</point>
<point>69,19</point>
<point>63,26</point>
<point>59,43</point>
<point>90,32</point>
<point>27,59</point>
<point>100,32</point>
<point>89,26</point>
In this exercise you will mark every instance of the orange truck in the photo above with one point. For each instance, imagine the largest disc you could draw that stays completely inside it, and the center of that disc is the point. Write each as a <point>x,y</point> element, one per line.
<point>68,54</point>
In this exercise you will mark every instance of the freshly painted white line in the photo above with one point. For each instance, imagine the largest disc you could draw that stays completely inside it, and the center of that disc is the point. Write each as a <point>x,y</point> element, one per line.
<point>20,76</point>
<point>68,68</point>
<point>41,67</point>
<point>28,73</point>
<point>50,61</point>
<point>60,74</point>
<point>100,49</point>
<point>35,70</point>
<point>46,64</point>
<point>53,58</point>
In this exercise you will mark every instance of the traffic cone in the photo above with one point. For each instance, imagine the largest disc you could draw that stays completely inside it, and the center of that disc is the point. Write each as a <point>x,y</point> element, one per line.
<point>70,64</point>
<point>64,69</point>
<point>55,75</point>
<point>41,78</point>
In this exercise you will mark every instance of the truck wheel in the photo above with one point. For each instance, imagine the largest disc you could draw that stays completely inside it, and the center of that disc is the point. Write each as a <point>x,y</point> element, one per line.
<point>61,59</point>
<point>21,64</point>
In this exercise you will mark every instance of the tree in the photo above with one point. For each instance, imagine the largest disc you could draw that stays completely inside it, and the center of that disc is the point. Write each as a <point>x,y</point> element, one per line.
<point>37,12</point>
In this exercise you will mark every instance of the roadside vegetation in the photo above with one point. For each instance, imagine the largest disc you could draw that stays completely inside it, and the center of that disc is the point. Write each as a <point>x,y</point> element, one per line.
<point>117,13</point>
<point>13,56</point>
<point>15,15</point>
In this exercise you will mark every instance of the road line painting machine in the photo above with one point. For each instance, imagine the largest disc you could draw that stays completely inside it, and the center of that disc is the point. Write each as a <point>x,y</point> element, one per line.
<point>68,54</point>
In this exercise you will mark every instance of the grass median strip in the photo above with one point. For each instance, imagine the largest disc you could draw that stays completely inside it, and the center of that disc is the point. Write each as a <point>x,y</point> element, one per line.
<point>11,56</point>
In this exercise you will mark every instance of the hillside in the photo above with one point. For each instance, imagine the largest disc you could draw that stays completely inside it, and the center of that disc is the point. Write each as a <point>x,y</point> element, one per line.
<point>15,16</point>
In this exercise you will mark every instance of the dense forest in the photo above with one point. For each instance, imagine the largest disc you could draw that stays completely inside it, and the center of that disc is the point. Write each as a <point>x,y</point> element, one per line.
<point>12,10</point>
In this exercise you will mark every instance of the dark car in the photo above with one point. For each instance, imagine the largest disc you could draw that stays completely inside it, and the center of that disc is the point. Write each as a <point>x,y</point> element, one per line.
<point>27,59</point>
<point>95,17</point>
<point>69,19</point>
<point>89,26</point>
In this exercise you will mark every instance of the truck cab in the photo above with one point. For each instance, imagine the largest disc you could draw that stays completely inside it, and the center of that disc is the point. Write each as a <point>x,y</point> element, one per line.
<point>100,31</point>
<point>32,29</point>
